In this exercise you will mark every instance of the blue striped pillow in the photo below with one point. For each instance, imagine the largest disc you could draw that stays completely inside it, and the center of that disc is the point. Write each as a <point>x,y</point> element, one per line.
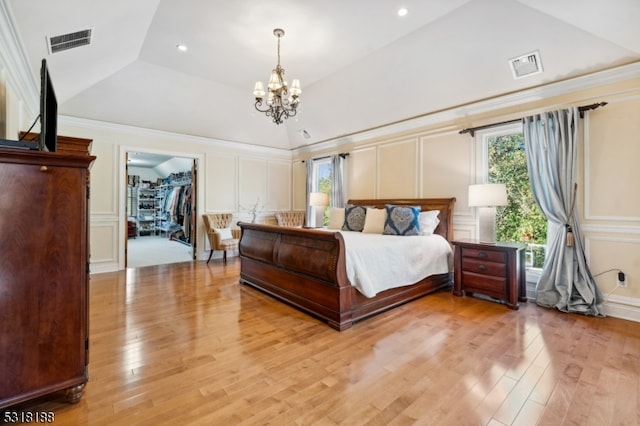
<point>402,220</point>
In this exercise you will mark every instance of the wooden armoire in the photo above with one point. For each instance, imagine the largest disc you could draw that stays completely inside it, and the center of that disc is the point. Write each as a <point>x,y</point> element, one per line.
<point>44,272</point>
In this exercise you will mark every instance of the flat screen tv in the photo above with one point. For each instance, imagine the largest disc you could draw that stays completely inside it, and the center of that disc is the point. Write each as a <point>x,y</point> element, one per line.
<point>48,111</point>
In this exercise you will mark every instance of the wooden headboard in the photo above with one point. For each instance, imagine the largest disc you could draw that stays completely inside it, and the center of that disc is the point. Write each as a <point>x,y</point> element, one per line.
<point>445,205</point>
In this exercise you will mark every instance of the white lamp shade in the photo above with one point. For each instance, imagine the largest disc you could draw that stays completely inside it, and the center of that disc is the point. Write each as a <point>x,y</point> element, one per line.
<point>318,199</point>
<point>488,195</point>
<point>295,88</point>
<point>274,81</point>
<point>258,90</point>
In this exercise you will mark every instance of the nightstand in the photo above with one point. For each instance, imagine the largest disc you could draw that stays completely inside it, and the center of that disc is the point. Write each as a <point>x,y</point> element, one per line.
<point>493,269</point>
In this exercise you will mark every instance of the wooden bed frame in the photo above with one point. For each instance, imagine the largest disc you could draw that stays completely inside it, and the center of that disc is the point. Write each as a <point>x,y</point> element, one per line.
<point>306,268</point>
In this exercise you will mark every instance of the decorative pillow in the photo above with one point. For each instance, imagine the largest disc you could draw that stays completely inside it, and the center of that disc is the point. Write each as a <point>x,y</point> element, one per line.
<point>429,221</point>
<point>225,233</point>
<point>336,218</point>
<point>402,220</point>
<point>354,218</point>
<point>374,221</point>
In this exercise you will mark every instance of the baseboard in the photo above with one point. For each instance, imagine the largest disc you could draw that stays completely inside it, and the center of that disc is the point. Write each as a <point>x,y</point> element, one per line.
<point>627,308</point>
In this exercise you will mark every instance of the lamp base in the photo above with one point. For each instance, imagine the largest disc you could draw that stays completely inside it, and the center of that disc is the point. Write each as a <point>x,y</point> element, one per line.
<point>319,215</point>
<point>487,225</point>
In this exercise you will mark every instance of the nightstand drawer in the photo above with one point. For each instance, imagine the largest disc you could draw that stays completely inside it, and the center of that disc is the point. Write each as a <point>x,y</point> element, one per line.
<point>492,286</point>
<point>492,256</point>
<point>483,267</point>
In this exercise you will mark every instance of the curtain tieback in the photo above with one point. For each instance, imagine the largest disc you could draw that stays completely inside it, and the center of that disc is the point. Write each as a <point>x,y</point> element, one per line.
<point>573,204</point>
<point>569,235</point>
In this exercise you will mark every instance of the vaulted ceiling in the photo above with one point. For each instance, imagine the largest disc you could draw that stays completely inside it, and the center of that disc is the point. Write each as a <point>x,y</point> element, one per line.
<point>361,65</point>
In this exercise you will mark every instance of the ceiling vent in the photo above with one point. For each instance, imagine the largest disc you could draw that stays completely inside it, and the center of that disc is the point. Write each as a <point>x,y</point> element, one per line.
<point>304,133</point>
<point>526,65</point>
<point>69,41</point>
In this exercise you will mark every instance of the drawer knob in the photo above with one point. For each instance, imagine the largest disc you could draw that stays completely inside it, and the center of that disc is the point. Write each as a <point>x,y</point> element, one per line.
<point>482,267</point>
<point>482,254</point>
<point>43,168</point>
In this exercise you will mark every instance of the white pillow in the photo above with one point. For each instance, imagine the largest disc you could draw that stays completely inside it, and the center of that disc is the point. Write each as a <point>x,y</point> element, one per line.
<point>428,221</point>
<point>374,221</point>
<point>336,218</point>
<point>225,233</point>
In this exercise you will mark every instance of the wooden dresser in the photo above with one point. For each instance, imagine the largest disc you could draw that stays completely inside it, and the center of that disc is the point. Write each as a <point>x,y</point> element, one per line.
<point>44,273</point>
<point>492,269</point>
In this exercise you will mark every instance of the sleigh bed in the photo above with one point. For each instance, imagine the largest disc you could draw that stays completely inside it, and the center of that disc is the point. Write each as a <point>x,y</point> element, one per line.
<point>307,268</point>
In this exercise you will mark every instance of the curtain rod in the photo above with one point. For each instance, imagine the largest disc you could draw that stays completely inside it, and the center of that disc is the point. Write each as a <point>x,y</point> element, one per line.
<point>581,109</point>
<point>343,154</point>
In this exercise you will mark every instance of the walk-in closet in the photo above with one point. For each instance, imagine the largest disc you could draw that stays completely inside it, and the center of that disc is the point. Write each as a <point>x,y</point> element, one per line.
<point>160,209</point>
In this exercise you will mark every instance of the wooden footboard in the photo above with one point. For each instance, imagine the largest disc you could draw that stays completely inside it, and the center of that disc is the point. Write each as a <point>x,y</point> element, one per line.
<point>306,269</point>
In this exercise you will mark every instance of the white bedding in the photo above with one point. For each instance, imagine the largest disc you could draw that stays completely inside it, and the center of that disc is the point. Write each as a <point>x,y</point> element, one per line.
<point>379,262</point>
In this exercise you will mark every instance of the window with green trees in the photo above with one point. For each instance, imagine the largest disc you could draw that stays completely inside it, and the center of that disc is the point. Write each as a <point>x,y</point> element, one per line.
<point>323,172</point>
<point>521,220</point>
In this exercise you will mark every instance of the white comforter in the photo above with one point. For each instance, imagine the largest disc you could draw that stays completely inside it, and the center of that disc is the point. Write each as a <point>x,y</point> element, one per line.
<point>379,262</point>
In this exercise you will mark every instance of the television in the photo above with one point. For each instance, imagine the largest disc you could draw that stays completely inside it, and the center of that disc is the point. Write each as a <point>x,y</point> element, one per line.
<point>48,111</point>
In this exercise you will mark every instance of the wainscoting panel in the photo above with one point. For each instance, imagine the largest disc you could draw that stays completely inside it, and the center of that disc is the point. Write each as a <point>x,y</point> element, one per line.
<point>104,257</point>
<point>398,169</point>
<point>279,186</point>
<point>220,183</point>
<point>362,173</point>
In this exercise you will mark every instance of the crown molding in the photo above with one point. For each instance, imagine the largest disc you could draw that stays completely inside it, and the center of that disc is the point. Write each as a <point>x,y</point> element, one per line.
<point>253,150</point>
<point>16,66</point>
<point>588,81</point>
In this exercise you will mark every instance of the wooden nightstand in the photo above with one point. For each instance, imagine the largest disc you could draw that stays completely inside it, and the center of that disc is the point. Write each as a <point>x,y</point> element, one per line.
<point>493,269</point>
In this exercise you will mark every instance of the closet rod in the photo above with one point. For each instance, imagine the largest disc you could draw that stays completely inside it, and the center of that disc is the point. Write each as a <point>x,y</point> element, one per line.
<point>472,130</point>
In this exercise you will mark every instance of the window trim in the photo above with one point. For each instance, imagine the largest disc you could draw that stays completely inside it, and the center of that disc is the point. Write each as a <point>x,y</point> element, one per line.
<point>482,169</point>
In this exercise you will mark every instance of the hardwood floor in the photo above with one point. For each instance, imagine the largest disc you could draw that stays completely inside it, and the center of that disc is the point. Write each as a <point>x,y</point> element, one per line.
<point>187,344</point>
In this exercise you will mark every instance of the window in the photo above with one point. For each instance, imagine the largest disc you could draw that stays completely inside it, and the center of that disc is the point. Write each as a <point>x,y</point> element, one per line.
<point>322,177</point>
<point>521,220</point>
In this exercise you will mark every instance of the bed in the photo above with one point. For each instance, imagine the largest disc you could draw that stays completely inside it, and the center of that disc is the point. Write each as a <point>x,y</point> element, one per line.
<point>307,268</point>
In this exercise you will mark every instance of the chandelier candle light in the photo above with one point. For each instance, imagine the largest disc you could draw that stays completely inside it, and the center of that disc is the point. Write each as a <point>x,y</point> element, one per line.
<point>282,100</point>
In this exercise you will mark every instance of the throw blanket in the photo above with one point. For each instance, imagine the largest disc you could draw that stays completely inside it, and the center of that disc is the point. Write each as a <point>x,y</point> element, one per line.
<point>379,262</point>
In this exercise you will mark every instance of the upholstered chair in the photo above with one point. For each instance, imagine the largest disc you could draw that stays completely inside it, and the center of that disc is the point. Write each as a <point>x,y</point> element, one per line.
<point>221,236</point>
<point>290,218</point>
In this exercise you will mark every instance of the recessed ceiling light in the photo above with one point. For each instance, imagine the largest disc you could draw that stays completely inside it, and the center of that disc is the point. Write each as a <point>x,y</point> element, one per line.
<point>181,47</point>
<point>403,11</point>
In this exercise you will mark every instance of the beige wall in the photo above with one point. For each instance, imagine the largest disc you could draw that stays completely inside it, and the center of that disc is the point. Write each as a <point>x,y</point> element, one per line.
<point>437,161</point>
<point>230,178</point>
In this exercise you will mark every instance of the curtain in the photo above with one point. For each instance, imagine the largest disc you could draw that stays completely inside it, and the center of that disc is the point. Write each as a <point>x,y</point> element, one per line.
<point>309,217</point>
<point>565,282</point>
<point>337,183</point>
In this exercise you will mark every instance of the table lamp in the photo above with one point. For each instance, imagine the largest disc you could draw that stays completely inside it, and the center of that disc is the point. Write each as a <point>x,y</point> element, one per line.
<point>318,199</point>
<point>486,197</point>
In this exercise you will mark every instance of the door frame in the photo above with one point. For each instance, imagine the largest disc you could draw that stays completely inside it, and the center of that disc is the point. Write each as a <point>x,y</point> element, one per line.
<point>197,194</point>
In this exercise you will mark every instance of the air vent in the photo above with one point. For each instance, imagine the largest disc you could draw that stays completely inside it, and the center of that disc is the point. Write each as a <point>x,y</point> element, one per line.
<point>304,133</point>
<point>69,41</point>
<point>526,65</point>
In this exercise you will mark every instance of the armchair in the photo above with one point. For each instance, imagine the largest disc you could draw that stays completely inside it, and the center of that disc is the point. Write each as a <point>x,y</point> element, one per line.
<point>290,218</point>
<point>220,234</point>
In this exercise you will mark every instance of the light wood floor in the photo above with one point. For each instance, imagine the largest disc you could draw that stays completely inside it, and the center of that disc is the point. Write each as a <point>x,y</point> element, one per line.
<point>186,344</point>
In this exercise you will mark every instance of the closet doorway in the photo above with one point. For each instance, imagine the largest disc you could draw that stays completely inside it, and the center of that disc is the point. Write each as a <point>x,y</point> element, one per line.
<point>160,208</point>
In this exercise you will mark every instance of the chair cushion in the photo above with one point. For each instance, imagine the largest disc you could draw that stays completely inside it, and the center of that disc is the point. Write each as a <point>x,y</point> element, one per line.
<point>225,233</point>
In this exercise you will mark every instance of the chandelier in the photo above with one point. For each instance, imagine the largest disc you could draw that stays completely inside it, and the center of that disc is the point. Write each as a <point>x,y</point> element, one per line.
<point>282,100</point>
